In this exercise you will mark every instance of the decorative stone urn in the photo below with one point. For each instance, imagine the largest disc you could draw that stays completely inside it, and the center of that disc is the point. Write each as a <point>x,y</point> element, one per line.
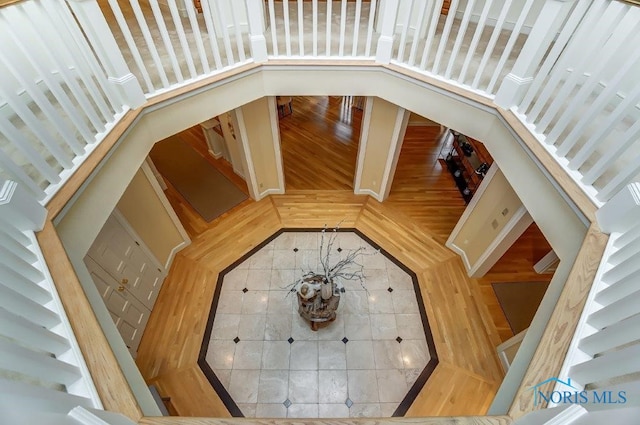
<point>318,300</point>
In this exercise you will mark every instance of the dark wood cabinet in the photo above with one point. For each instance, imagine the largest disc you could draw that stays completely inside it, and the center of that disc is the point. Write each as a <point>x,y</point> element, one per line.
<point>467,160</point>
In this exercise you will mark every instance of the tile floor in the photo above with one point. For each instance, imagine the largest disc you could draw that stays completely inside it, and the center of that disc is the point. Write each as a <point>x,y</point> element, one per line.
<point>272,363</point>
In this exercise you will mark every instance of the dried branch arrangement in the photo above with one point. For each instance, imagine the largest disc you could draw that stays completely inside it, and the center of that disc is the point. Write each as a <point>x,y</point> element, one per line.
<point>348,268</point>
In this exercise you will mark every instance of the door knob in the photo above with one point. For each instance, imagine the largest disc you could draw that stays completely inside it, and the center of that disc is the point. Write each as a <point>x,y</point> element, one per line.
<point>124,281</point>
<point>120,288</point>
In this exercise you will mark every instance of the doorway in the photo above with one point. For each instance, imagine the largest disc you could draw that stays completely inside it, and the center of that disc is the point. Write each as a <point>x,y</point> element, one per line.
<point>319,139</point>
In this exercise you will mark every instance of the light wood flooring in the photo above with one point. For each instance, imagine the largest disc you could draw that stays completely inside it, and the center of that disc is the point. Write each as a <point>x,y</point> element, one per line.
<point>412,224</point>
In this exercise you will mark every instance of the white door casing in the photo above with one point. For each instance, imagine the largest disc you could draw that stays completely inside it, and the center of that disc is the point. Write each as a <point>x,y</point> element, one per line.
<point>121,254</point>
<point>127,276</point>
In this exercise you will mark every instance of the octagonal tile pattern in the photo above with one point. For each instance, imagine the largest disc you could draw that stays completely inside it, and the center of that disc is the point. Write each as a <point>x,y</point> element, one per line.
<point>264,360</point>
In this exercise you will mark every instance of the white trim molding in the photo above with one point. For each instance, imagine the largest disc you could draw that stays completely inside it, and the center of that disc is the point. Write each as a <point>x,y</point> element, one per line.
<point>397,138</point>
<point>362,149</point>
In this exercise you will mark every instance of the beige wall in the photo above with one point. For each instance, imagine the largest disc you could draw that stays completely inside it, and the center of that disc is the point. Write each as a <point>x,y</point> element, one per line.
<point>376,143</point>
<point>477,232</point>
<point>143,209</point>
<point>256,122</point>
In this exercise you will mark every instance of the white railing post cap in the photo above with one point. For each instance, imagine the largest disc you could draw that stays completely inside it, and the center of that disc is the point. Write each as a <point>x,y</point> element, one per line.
<point>621,212</point>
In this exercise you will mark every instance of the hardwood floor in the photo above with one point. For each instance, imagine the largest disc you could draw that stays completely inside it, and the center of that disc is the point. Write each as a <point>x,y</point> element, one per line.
<point>412,225</point>
<point>320,143</point>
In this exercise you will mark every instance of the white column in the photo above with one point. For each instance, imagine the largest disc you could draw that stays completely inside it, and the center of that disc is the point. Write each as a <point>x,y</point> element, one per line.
<point>255,12</point>
<point>621,212</point>
<point>19,208</point>
<point>213,139</point>
<point>387,17</point>
<point>97,30</point>
<point>542,34</point>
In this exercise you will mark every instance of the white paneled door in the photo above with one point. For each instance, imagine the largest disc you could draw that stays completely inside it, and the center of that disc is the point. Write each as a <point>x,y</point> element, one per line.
<point>127,276</point>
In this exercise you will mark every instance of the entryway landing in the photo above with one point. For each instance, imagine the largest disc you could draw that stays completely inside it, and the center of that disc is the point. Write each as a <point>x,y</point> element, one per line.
<point>463,383</point>
<point>264,360</point>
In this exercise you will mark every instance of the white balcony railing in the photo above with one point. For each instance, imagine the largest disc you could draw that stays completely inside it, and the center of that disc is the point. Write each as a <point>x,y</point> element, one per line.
<point>42,371</point>
<point>605,352</point>
<point>72,69</point>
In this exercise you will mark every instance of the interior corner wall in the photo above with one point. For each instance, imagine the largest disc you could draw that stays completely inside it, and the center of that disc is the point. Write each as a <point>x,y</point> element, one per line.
<point>477,232</point>
<point>147,216</point>
<point>259,134</point>
<point>375,146</point>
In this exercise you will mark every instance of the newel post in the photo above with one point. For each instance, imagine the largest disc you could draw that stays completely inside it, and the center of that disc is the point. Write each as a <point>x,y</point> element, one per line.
<point>621,212</point>
<point>95,27</point>
<point>255,15</point>
<point>387,14</point>
<point>19,208</point>
<point>543,32</point>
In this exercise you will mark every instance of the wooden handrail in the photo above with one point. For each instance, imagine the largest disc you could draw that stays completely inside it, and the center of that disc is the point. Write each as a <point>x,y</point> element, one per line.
<point>552,350</point>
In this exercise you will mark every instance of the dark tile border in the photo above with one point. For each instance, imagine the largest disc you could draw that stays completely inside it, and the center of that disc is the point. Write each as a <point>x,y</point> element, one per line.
<point>224,395</point>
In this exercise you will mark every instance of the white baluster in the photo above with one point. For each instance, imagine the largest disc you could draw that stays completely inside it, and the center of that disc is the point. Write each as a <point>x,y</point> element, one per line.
<point>37,365</point>
<point>388,16</point>
<point>80,45</point>
<point>625,252</point>
<point>372,16</point>
<point>480,26</point>
<point>301,27</point>
<point>23,285</point>
<point>620,213</point>
<point>619,289</point>
<point>97,30</point>
<point>238,31</point>
<point>272,22</point>
<point>630,235</point>
<point>418,32</point>
<point>30,13</point>
<point>19,208</point>
<point>328,29</point>
<point>343,27</point>
<point>544,31</point>
<point>226,40</point>
<point>133,48</point>
<point>444,38</point>
<point>488,51</point>
<point>405,29</point>
<point>177,21</point>
<point>17,173</point>
<point>17,304</point>
<point>356,28</point>
<point>21,144</point>
<point>628,139</point>
<point>30,334</point>
<point>74,114</point>
<point>596,107</point>
<point>17,248</point>
<point>197,35</point>
<point>314,28</point>
<point>464,24</point>
<point>616,335</point>
<point>82,62</point>
<point>207,11</point>
<point>255,15</point>
<point>589,46</point>
<point>607,366</point>
<point>568,30</point>
<point>287,29</point>
<point>506,52</point>
<point>166,40</point>
<point>433,26</point>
